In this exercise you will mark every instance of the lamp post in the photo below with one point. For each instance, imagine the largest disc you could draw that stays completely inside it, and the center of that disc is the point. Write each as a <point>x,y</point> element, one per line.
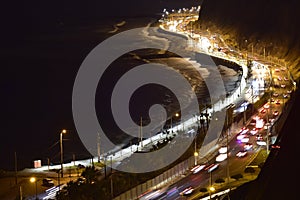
<point>210,188</point>
<point>34,180</point>
<point>196,154</point>
<point>58,179</point>
<point>61,152</point>
<point>267,137</point>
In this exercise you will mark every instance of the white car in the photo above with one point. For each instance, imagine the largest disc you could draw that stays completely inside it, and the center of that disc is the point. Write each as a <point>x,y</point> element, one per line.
<point>240,137</point>
<point>248,146</point>
<point>221,157</point>
<point>245,139</point>
<point>187,191</point>
<point>241,154</point>
<point>212,167</point>
<point>254,131</point>
<point>223,150</point>
<point>197,168</point>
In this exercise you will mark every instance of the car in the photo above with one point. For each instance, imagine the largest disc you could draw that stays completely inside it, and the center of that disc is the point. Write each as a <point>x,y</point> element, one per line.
<point>275,146</point>
<point>81,180</point>
<point>259,124</point>
<point>223,150</point>
<point>261,143</point>
<point>277,102</point>
<point>259,137</point>
<point>266,105</point>
<point>253,122</point>
<point>221,157</point>
<point>241,154</point>
<point>197,168</point>
<point>48,182</point>
<point>275,113</point>
<point>187,191</point>
<point>254,131</point>
<point>243,130</point>
<point>263,110</point>
<point>267,125</point>
<point>245,139</point>
<point>275,94</point>
<point>248,146</point>
<point>240,137</point>
<point>212,167</point>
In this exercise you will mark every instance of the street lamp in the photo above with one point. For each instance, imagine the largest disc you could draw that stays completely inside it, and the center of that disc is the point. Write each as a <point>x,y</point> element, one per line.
<point>176,115</point>
<point>195,155</point>
<point>34,180</point>
<point>61,152</point>
<point>211,189</point>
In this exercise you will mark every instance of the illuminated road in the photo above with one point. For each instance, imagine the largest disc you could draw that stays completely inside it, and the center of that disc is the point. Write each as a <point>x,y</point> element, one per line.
<point>266,77</point>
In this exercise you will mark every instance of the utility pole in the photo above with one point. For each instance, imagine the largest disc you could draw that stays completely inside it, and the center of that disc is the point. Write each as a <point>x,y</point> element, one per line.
<point>210,183</point>
<point>48,162</point>
<point>227,160</point>
<point>111,187</point>
<point>141,132</point>
<point>21,193</point>
<point>111,179</point>
<point>105,167</point>
<point>58,179</point>
<point>16,169</point>
<point>61,151</point>
<point>61,156</point>
<point>74,159</point>
<point>268,129</point>
<point>111,164</point>
<point>195,151</point>
<point>98,147</point>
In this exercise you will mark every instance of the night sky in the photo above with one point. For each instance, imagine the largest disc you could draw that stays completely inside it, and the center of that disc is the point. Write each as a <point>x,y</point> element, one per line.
<point>42,49</point>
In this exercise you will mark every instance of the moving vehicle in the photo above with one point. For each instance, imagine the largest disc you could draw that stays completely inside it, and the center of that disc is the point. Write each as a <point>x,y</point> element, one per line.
<point>241,154</point>
<point>187,191</point>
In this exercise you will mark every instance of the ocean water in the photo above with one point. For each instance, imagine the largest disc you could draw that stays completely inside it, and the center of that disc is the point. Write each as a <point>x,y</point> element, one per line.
<point>148,95</point>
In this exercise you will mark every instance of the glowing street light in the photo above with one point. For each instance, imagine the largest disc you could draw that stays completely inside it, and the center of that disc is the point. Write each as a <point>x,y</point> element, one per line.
<point>61,152</point>
<point>34,180</point>
<point>211,190</point>
<point>176,115</point>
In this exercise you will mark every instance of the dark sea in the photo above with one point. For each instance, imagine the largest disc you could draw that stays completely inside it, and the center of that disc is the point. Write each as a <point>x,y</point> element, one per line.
<point>38,83</point>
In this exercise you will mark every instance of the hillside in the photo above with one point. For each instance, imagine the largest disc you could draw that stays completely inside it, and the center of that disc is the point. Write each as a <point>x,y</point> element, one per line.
<point>273,25</point>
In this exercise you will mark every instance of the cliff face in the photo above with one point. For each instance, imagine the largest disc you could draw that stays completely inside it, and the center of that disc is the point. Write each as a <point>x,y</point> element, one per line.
<point>273,25</point>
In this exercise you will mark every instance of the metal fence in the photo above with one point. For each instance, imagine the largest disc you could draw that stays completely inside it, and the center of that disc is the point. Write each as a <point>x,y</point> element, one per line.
<point>168,177</point>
